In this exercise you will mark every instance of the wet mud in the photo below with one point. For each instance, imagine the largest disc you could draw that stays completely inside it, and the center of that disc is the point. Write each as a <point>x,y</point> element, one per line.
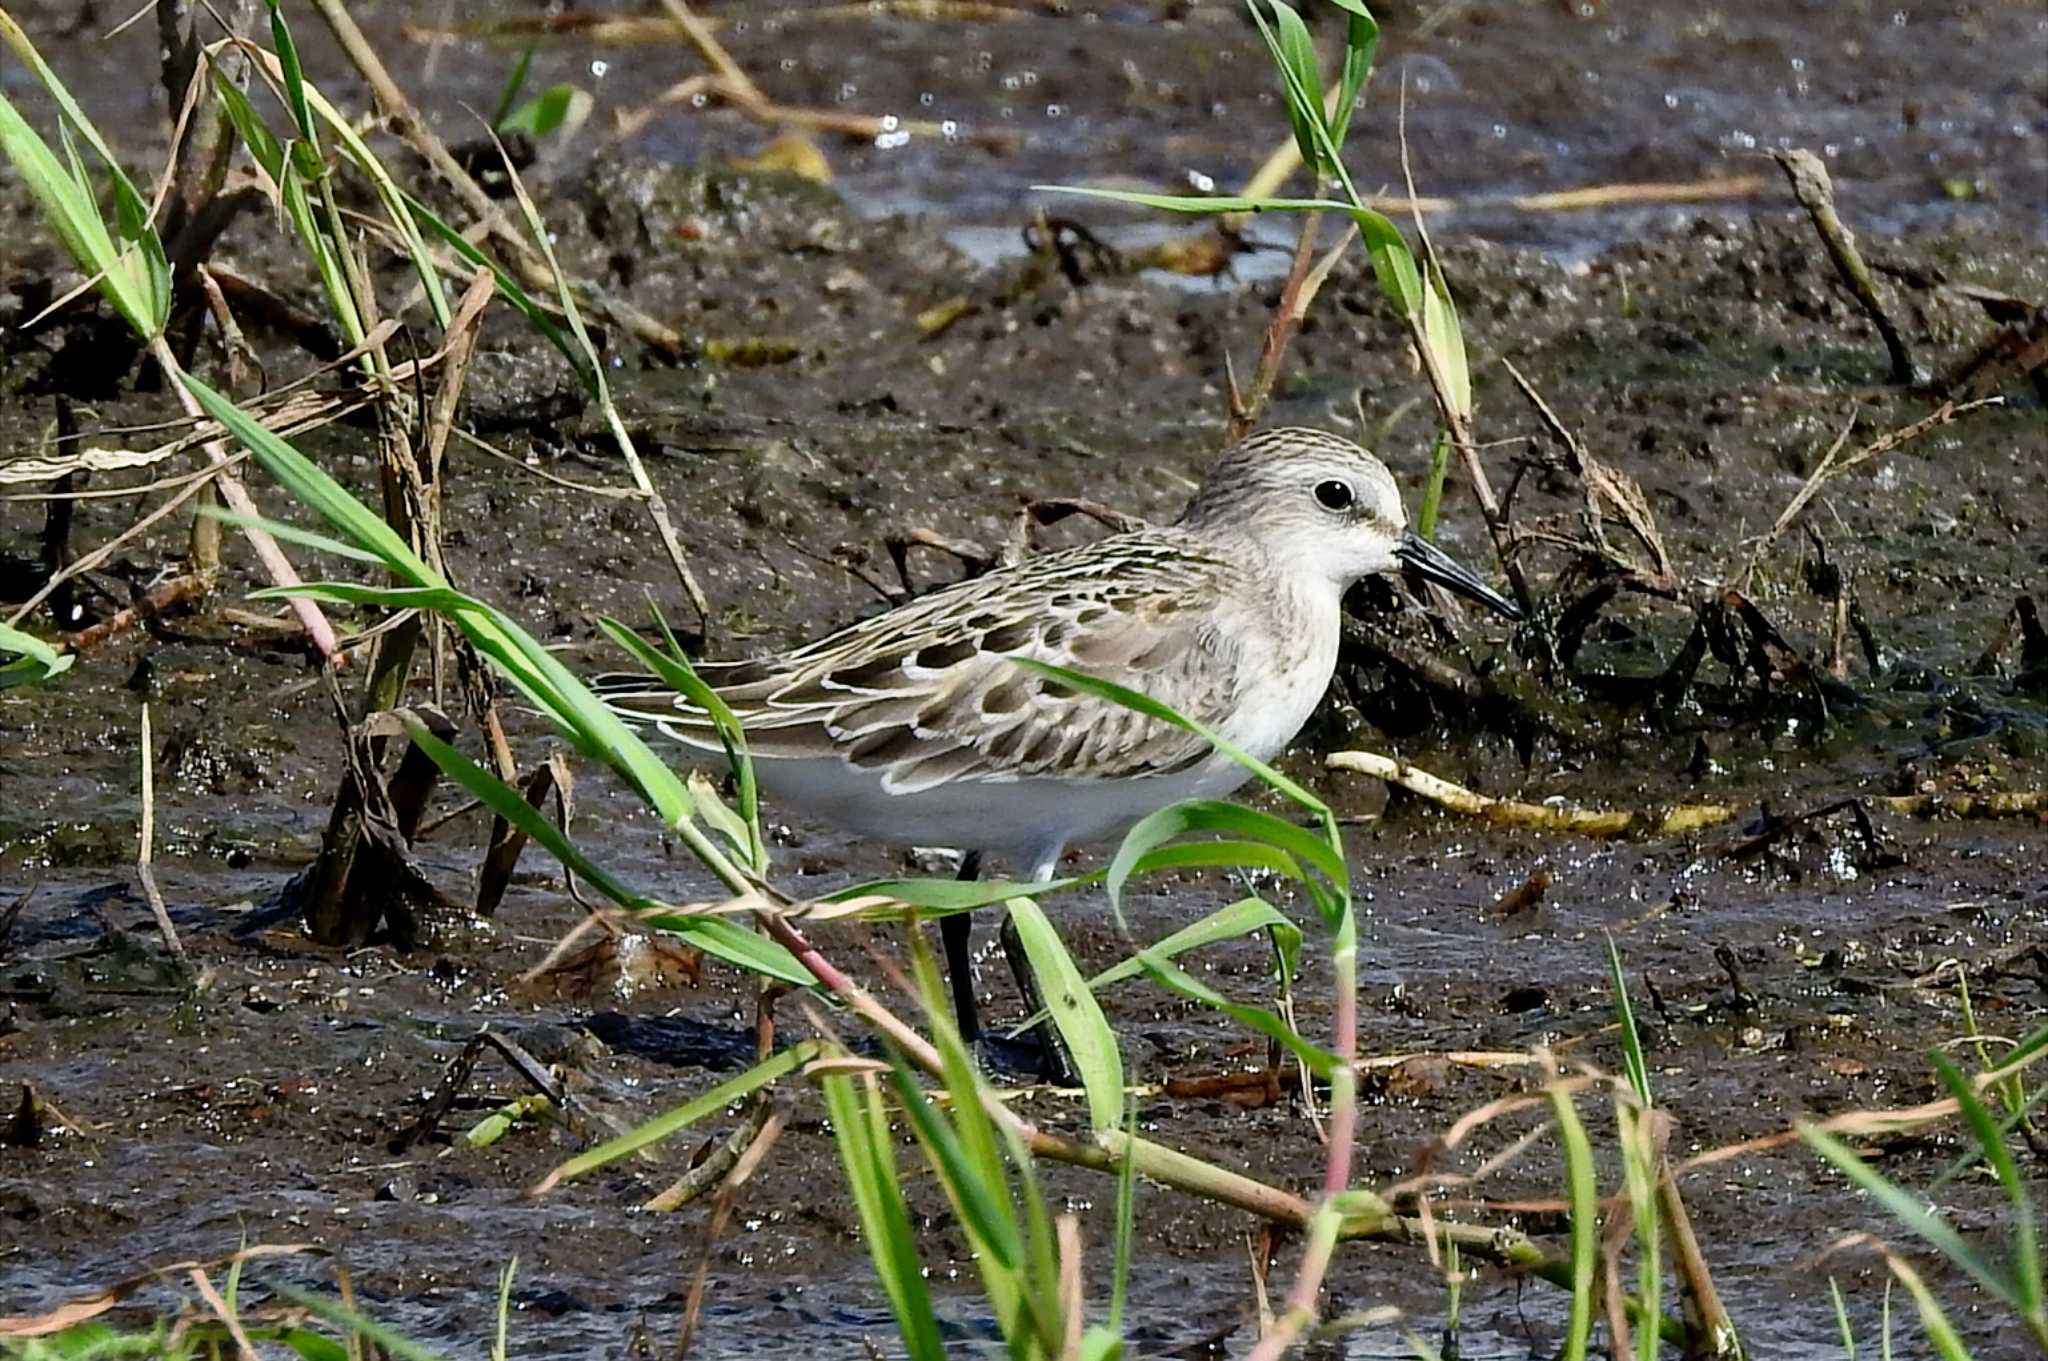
<point>1783,967</point>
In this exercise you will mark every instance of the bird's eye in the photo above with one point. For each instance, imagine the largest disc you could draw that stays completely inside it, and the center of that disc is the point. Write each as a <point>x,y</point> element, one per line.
<point>1334,495</point>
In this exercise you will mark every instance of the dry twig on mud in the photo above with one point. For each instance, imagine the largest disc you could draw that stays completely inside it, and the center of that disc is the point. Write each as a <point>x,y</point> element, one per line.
<point>1815,191</point>
<point>1676,821</point>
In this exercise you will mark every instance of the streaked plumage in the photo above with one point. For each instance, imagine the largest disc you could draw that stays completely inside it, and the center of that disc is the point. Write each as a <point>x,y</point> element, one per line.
<point>913,727</point>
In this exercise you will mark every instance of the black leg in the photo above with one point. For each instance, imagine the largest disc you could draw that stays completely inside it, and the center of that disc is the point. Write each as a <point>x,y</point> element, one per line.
<point>1054,1063</point>
<point>955,931</point>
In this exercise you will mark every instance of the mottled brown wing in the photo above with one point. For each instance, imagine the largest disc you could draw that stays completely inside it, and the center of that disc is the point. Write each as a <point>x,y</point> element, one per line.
<point>925,694</point>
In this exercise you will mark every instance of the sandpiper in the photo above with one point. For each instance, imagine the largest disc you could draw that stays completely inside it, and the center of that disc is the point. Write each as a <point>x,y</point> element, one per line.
<point>913,726</point>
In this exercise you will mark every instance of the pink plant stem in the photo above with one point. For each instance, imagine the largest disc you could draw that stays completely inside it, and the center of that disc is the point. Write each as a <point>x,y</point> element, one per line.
<point>276,565</point>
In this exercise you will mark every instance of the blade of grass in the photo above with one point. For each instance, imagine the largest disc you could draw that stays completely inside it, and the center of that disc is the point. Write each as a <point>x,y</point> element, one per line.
<point>36,660</point>
<point>1076,1013</point>
<point>1583,1192</point>
<point>866,1151</point>
<point>1910,1211</point>
<point>673,1122</point>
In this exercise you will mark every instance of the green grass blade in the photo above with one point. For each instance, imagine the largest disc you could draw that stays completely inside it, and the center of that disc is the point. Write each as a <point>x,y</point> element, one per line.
<point>538,674</point>
<point>1948,1343</point>
<point>1244,917</point>
<point>554,108</point>
<point>135,277</point>
<point>977,1186</point>
<point>290,533</point>
<point>1842,1320</point>
<point>1631,1039</point>
<point>1293,53</point>
<point>717,937</point>
<point>676,673</point>
<point>1903,1206</point>
<point>1583,1191</point>
<point>1126,1228</point>
<point>1194,816</point>
<point>509,286</point>
<point>509,804</point>
<point>866,1152</point>
<point>1076,1013</point>
<point>393,1342</point>
<point>514,83</point>
<point>35,661</point>
<point>1152,708</point>
<point>1361,46</point>
<point>2027,1283</point>
<point>671,1123</point>
<point>943,897</point>
<point>736,945</point>
<point>1171,976</point>
<point>313,487</point>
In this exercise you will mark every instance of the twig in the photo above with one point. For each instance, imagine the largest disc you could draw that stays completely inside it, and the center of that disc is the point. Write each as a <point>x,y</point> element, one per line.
<point>146,849</point>
<point>728,1195</point>
<point>1816,193</point>
<point>1830,469</point>
<point>713,51</point>
<point>275,564</point>
<point>148,606</point>
<point>1512,813</point>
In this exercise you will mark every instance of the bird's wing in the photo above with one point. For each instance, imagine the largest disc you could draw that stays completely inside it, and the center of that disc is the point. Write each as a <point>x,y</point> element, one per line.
<point>925,694</point>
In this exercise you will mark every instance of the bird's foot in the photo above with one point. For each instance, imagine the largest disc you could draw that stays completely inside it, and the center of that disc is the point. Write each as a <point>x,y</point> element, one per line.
<point>1035,1056</point>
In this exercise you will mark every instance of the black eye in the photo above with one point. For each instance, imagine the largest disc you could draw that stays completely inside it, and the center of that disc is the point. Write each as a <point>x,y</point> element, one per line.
<point>1334,495</point>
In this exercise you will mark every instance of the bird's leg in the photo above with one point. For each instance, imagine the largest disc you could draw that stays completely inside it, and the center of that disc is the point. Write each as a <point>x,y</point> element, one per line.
<point>1056,1065</point>
<point>955,931</point>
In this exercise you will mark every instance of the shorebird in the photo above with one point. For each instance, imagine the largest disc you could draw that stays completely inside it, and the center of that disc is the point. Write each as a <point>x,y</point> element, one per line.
<point>914,727</point>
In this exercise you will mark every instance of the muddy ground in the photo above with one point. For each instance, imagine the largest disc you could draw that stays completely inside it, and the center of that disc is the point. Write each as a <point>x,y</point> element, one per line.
<point>1714,364</point>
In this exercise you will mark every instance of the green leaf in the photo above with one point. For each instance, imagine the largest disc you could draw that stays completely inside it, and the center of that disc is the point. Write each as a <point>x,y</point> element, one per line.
<point>1582,1187</point>
<point>514,83</point>
<point>396,1344</point>
<point>1152,708</point>
<point>2027,1282</point>
<point>867,1153</point>
<point>1239,919</point>
<point>1215,815</point>
<point>289,533</point>
<point>1393,264</point>
<point>1361,45</point>
<point>976,1183</point>
<point>509,286</point>
<point>294,76</point>
<point>36,661</point>
<point>509,804</point>
<point>943,897</point>
<point>314,1346</point>
<point>1910,1211</point>
<point>551,109</point>
<point>1294,54</point>
<point>674,671</point>
<point>1076,1013</point>
<point>673,1122</point>
<point>1631,1039</point>
<point>1314,1057</point>
<point>1948,1343</point>
<point>537,673</point>
<point>134,275</point>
